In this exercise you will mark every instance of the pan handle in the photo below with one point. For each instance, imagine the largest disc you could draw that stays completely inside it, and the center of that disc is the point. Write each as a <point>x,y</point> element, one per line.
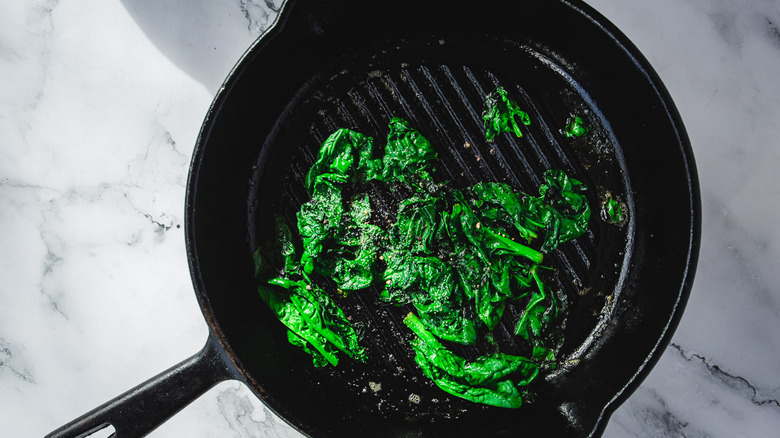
<point>142,409</point>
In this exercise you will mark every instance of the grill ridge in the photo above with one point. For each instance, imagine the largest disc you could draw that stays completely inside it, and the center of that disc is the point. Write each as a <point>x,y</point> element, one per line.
<point>436,122</point>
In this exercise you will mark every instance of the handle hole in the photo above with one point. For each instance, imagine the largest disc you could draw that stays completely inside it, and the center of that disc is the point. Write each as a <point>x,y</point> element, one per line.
<point>105,431</point>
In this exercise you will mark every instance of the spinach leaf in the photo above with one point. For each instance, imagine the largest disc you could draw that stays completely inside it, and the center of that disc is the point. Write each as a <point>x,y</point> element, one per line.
<point>408,157</point>
<point>314,322</point>
<point>490,379</point>
<point>575,127</point>
<point>561,209</point>
<point>344,155</point>
<point>502,114</point>
<point>613,211</point>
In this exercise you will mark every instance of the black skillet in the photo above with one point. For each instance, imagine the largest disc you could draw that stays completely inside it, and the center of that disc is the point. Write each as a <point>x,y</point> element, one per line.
<point>329,64</point>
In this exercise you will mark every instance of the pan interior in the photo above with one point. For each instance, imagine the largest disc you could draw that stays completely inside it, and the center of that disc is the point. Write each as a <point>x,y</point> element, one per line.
<point>439,86</point>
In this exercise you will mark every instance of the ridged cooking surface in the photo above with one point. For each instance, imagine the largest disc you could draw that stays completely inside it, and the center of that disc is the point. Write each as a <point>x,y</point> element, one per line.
<point>444,103</point>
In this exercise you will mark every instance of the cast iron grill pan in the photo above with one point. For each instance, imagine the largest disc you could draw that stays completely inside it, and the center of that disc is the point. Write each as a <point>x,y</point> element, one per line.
<point>439,86</point>
<point>328,64</point>
<point>347,64</point>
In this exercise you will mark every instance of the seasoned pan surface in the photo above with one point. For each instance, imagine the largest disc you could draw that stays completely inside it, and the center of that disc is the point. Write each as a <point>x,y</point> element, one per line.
<point>432,83</point>
<point>333,65</point>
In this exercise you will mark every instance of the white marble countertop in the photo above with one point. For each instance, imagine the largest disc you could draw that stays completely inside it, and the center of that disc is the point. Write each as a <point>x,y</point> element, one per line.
<point>100,105</point>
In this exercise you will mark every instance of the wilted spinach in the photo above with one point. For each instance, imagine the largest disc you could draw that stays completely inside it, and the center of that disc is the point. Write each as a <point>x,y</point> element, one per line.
<point>458,257</point>
<point>575,127</point>
<point>502,114</point>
